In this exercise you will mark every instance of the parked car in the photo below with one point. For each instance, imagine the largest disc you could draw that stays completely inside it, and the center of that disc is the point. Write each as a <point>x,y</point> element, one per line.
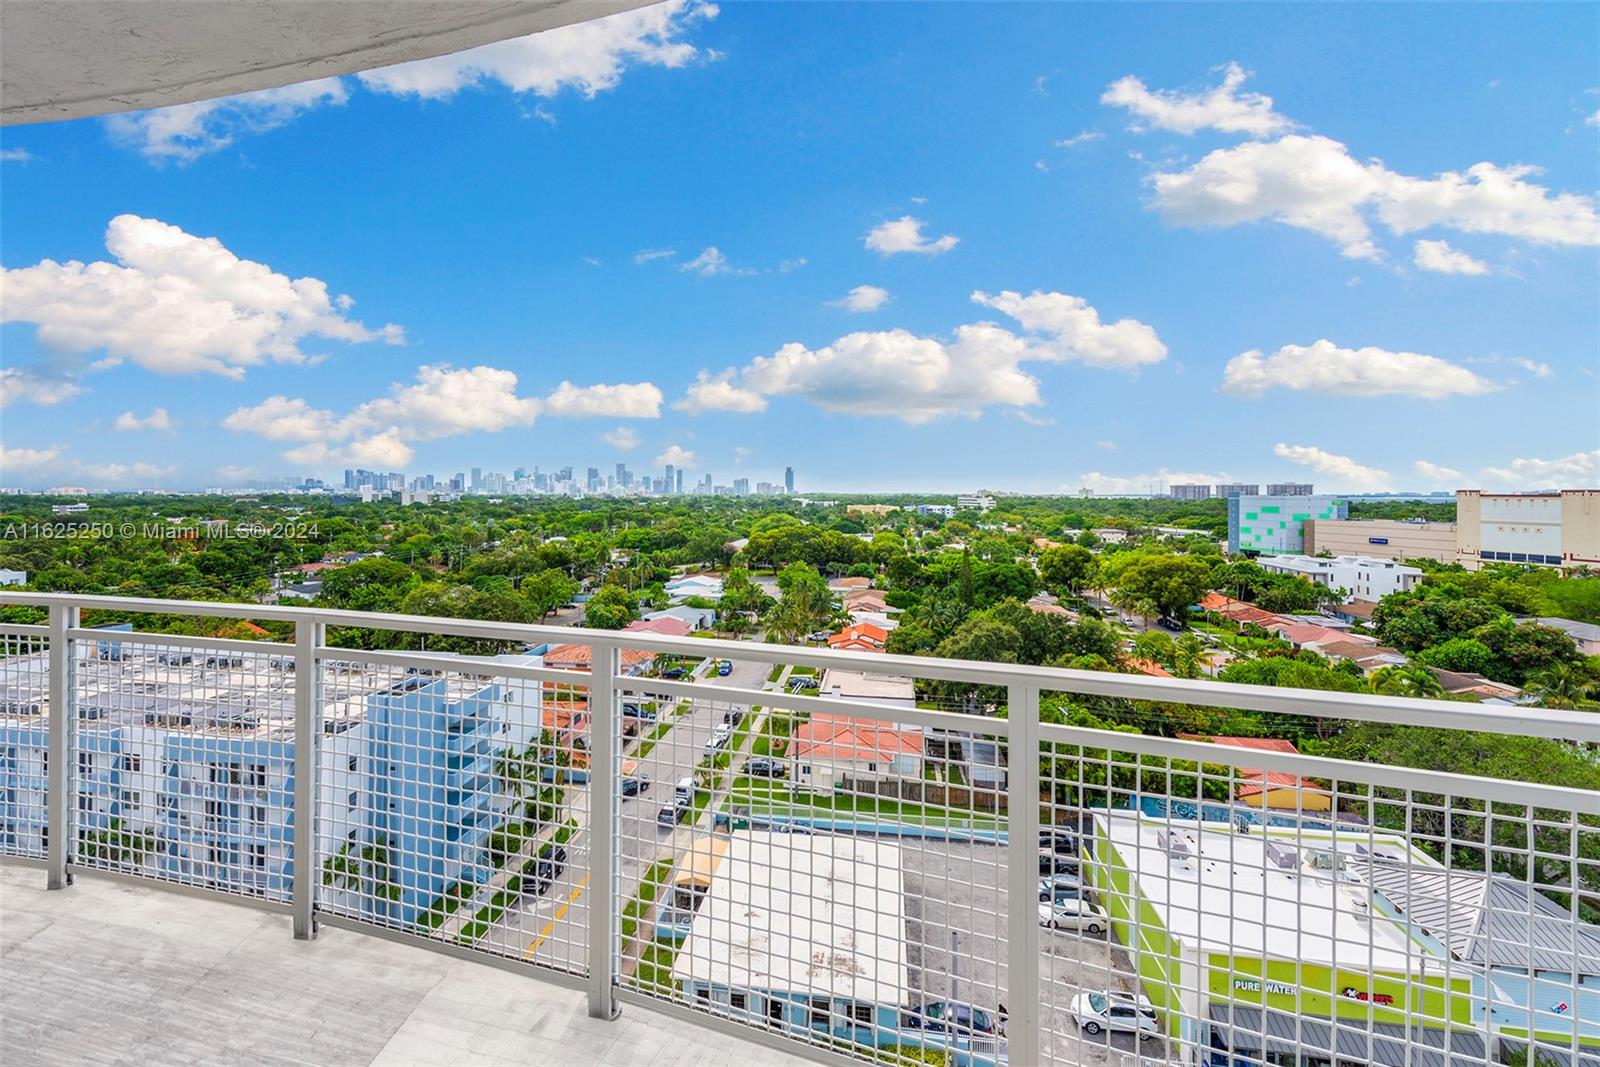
<point>672,814</point>
<point>818,635</point>
<point>1051,864</point>
<point>1097,1011</point>
<point>725,668</point>
<point>1061,842</point>
<point>802,682</point>
<point>1168,623</point>
<point>673,672</point>
<point>766,767</point>
<point>1058,886</point>
<point>546,869</point>
<point>944,1016</point>
<point>634,785</point>
<point>1072,913</point>
<point>720,735</point>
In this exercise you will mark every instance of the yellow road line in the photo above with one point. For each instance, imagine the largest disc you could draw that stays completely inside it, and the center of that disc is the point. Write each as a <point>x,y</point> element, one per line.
<point>544,935</point>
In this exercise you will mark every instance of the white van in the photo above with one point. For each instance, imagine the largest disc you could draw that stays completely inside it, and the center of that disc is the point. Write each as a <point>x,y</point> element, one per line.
<point>685,790</point>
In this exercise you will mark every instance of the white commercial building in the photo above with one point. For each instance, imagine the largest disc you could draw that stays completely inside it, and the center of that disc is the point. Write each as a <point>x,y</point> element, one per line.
<point>1556,529</point>
<point>978,501</point>
<point>1361,577</point>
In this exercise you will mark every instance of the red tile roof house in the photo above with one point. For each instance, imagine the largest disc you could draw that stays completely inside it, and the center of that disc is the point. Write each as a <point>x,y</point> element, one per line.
<point>672,627</point>
<point>864,600</point>
<point>1272,789</point>
<point>1149,667</point>
<point>828,748</point>
<point>860,637</point>
<point>635,661</point>
<point>1300,635</point>
<point>839,585</point>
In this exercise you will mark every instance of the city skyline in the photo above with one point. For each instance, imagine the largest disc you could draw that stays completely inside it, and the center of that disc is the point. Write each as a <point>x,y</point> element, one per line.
<point>1096,270</point>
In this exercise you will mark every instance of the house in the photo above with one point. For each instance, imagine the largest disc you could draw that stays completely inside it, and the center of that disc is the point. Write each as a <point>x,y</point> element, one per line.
<point>1242,614</point>
<point>844,585</point>
<point>704,586</point>
<point>1149,667</point>
<point>830,748</point>
<point>1277,790</point>
<point>892,689</point>
<point>1301,635</point>
<point>635,661</point>
<point>865,600</point>
<point>1585,635</point>
<point>1369,657</point>
<point>697,618</point>
<point>1218,602</point>
<point>876,618</point>
<point>11,577</point>
<point>1458,683</point>
<point>859,637</point>
<point>671,626</point>
<point>1045,604</point>
<point>1356,612</point>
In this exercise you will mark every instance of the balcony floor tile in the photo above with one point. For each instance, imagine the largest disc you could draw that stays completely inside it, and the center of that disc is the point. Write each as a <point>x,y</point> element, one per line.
<point>106,973</point>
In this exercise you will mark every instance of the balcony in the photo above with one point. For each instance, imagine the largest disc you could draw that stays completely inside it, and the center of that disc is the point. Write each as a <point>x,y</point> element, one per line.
<point>978,887</point>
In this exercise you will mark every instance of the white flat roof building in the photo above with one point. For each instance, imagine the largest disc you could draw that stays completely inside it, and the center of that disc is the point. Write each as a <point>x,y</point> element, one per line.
<point>1361,577</point>
<point>808,914</point>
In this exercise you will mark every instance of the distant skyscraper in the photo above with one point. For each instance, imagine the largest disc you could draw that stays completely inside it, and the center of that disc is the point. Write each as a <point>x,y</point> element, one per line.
<point>741,487</point>
<point>788,479</point>
<point>678,488</point>
<point>592,480</point>
<point>1228,489</point>
<point>458,483</point>
<point>1190,492</point>
<point>477,479</point>
<point>349,478</point>
<point>1289,489</point>
<point>623,477</point>
<point>668,481</point>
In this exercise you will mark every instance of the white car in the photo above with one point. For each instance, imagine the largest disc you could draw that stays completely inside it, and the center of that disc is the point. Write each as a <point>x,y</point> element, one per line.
<point>1072,913</point>
<point>719,736</point>
<point>1095,1012</point>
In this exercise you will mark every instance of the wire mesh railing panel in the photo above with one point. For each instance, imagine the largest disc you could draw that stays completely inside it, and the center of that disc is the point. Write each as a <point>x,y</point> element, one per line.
<point>24,743</point>
<point>453,804</point>
<point>835,874</point>
<point>183,763</point>
<point>1228,901</point>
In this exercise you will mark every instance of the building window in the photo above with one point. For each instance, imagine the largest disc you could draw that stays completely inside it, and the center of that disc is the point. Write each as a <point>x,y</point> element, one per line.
<point>862,1013</point>
<point>821,1012</point>
<point>353,761</point>
<point>132,762</point>
<point>353,798</point>
<point>703,995</point>
<point>738,1001</point>
<point>256,855</point>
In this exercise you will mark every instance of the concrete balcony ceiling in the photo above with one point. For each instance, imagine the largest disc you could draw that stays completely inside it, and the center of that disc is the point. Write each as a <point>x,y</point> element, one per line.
<point>69,60</point>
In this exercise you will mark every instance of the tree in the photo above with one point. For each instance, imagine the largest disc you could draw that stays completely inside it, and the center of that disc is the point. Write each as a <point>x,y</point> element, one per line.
<point>806,604</point>
<point>546,591</point>
<point>1410,681</point>
<point>1522,651</point>
<point>1461,654</point>
<point>368,585</point>
<point>1564,685</point>
<point>1065,567</point>
<point>1188,657</point>
<point>611,608</point>
<point>1166,581</point>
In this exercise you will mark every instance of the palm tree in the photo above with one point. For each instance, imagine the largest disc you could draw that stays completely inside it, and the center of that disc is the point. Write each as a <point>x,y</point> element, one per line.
<point>1188,657</point>
<point>1405,682</point>
<point>1565,685</point>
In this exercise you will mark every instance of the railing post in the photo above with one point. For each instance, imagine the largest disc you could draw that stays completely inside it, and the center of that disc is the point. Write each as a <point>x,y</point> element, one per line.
<point>62,774</point>
<point>1022,882</point>
<point>604,932</point>
<point>308,635</point>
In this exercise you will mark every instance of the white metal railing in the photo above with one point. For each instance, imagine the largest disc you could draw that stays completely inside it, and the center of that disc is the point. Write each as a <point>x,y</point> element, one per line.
<point>843,876</point>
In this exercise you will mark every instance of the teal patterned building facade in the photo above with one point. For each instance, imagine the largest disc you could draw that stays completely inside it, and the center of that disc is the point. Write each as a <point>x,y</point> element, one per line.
<point>1275,525</point>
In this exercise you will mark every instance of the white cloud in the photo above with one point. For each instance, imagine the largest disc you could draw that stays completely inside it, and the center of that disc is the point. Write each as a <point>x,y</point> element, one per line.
<point>1077,139</point>
<point>711,262</point>
<point>178,304</point>
<point>1437,475</point>
<point>1324,367</point>
<point>1221,107</point>
<point>676,455</point>
<point>587,57</point>
<point>862,298</point>
<point>21,460</point>
<point>1345,472</point>
<point>649,255</point>
<point>158,419</point>
<point>1593,120</point>
<point>626,400</point>
<point>185,132</point>
<point>898,374</point>
<point>1313,183</point>
<point>788,265</point>
<point>625,438</point>
<point>120,474</point>
<point>233,472</point>
<point>1114,484</point>
<point>35,385</point>
<point>1106,446</point>
<point>442,402</point>
<point>905,235</point>
<point>1068,328</point>
<point>1581,470</point>
<point>719,393</point>
<point>1441,258</point>
<point>1533,367</point>
<point>16,155</point>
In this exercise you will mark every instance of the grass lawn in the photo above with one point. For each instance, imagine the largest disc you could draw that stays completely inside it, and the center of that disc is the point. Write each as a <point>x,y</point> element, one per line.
<point>654,973</point>
<point>770,798</point>
<point>804,672</point>
<point>775,673</point>
<point>649,886</point>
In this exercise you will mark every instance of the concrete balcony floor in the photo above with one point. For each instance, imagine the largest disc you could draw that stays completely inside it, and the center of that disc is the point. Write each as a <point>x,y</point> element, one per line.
<point>107,973</point>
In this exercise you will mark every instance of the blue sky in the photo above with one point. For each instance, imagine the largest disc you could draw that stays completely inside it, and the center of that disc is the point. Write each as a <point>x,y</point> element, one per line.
<point>1101,246</point>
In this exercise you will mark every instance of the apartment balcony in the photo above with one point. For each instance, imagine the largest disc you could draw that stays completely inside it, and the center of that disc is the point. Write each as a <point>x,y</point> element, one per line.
<point>1077,895</point>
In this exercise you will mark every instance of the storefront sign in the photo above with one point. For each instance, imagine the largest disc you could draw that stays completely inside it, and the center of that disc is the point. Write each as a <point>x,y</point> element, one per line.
<point>1360,994</point>
<point>1253,985</point>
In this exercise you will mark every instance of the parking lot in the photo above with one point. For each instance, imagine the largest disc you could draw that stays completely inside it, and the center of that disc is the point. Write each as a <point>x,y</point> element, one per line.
<point>956,911</point>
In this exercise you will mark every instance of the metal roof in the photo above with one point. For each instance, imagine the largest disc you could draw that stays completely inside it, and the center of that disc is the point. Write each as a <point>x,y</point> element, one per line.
<point>1497,920</point>
<point>1383,1044</point>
